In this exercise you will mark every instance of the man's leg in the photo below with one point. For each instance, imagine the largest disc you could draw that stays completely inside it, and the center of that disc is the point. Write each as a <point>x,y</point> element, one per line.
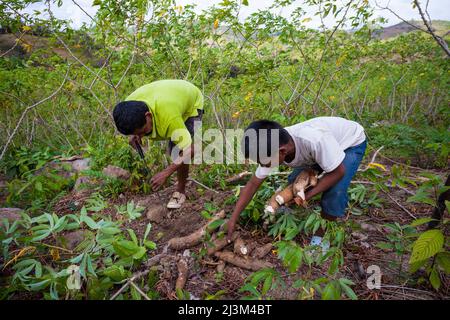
<point>182,175</point>
<point>334,201</point>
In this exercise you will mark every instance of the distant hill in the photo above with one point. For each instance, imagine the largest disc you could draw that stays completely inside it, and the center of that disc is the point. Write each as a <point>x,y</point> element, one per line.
<point>442,27</point>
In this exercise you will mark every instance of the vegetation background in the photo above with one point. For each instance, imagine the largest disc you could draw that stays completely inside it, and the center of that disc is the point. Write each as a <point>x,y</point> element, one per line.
<point>58,87</point>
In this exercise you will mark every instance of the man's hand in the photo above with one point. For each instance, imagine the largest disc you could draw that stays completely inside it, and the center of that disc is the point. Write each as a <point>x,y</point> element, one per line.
<point>231,224</point>
<point>134,140</point>
<point>159,179</point>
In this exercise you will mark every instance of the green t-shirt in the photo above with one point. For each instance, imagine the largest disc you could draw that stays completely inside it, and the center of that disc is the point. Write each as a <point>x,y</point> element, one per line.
<point>171,102</point>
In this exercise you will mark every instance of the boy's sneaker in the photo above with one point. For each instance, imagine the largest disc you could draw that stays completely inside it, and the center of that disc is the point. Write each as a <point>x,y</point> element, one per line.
<point>318,241</point>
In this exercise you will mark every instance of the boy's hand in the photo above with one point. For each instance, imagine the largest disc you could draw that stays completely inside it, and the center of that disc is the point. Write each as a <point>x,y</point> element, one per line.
<point>230,227</point>
<point>133,140</point>
<point>159,179</point>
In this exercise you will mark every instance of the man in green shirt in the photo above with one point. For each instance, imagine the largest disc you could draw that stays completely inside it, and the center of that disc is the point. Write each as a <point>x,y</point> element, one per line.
<point>164,110</point>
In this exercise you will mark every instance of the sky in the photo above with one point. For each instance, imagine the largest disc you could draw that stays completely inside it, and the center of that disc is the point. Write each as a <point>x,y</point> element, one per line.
<point>438,10</point>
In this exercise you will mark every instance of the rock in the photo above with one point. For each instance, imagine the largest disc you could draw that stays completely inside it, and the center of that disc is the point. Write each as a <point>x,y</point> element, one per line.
<point>156,213</point>
<point>81,164</point>
<point>84,180</point>
<point>368,227</point>
<point>359,236</point>
<point>116,172</point>
<point>12,214</point>
<point>72,239</point>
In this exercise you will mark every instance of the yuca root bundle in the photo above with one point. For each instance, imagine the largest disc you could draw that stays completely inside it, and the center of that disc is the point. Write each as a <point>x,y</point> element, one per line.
<point>295,191</point>
<point>240,248</point>
<point>244,263</point>
<point>261,252</point>
<point>194,238</point>
<point>219,244</point>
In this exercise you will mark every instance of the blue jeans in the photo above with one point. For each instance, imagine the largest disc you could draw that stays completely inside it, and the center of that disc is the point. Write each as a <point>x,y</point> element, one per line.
<point>334,201</point>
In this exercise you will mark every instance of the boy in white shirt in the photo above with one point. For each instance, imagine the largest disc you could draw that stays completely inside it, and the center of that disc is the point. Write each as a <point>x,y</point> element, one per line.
<point>331,144</point>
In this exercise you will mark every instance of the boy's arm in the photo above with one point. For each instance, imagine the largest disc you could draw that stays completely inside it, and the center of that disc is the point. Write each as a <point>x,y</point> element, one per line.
<point>328,180</point>
<point>245,197</point>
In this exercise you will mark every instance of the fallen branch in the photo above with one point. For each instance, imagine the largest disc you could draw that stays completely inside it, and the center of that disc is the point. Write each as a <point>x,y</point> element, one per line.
<point>238,177</point>
<point>401,207</point>
<point>142,293</point>
<point>202,185</point>
<point>244,263</point>
<point>194,238</point>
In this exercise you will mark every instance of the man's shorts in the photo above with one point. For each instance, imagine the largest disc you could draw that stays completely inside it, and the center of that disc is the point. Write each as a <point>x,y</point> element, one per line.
<point>189,123</point>
<point>334,201</point>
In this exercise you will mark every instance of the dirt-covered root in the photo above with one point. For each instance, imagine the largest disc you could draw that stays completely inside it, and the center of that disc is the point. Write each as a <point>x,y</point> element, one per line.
<point>194,238</point>
<point>183,272</point>
<point>220,266</point>
<point>244,263</point>
<point>241,248</point>
<point>219,244</point>
<point>261,252</point>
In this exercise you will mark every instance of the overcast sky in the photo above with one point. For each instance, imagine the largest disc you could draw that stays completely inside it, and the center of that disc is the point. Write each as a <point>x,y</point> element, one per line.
<point>438,9</point>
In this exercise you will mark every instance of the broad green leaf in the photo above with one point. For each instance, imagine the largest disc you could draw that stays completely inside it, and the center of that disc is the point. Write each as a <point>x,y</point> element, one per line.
<point>435,280</point>
<point>427,245</point>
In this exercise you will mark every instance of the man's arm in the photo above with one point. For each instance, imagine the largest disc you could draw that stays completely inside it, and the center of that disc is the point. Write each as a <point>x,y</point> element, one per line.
<point>328,180</point>
<point>158,179</point>
<point>245,197</point>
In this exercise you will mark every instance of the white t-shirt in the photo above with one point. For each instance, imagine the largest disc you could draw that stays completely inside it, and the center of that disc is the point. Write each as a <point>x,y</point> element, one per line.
<point>321,141</point>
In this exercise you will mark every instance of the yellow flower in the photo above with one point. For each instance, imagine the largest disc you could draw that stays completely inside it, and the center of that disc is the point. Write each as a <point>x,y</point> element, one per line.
<point>248,96</point>
<point>216,23</point>
<point>26,28</point>
<point>376,165</point>
<point>27,47</point>
<point>236,114</point>
<point>55,254</point>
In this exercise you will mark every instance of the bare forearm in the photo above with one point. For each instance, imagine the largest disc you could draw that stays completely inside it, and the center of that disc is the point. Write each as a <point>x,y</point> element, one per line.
<point>187,154</point>
<point>246,196</point>
<point>329,180</point>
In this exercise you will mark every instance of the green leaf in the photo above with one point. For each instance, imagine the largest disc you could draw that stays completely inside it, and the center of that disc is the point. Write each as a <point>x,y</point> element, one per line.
<point>384,245</point>
<point>215,224</point>
<point>435,280</point>
<point>125,248</point>
<point>348,291</point>
<point>116,273</point>
<point>443,260</point>
<point>245,2</point>
<point>267,284</point>
<point>89,222</point>
<point>150,244</point>
<point>39,285</point>
<point>147,230</point>
<point>413,267</point>
<point>427,245</point>
<point>421,221</point>
<point>132,236</point>
<point>331,291</point>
